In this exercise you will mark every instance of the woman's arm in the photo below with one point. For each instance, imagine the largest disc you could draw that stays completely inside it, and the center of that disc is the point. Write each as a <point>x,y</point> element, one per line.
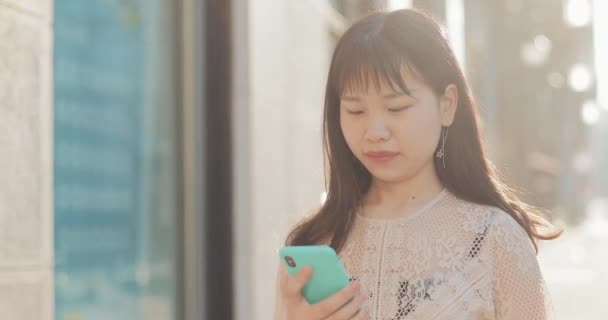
<point>518,285</point>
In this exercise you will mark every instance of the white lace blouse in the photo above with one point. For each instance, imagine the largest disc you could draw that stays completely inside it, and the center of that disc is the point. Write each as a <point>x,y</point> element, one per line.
<point>451,259</point>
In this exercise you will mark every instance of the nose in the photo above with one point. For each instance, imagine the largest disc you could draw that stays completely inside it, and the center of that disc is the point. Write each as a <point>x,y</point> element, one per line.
<point>377,129</point>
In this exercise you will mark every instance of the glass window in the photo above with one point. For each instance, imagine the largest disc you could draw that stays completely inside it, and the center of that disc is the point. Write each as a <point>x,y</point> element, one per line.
<point>115,164</point>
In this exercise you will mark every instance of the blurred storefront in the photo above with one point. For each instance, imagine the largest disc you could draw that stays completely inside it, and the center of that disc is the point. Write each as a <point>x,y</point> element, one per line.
<point>155,172</point>
<point>116,159</point>
<point>143,99</point>
<point>130,147</point>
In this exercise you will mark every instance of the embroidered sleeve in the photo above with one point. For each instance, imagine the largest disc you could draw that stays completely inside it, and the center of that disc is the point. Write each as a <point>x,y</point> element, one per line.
<point>518,286</point>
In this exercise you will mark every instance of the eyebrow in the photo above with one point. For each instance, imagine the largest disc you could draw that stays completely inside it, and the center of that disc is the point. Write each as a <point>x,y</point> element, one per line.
<point>389,96</point>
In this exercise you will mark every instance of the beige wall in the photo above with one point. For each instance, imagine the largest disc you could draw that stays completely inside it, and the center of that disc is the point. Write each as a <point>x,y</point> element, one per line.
<point>290,51</point>
<point>26,290</point>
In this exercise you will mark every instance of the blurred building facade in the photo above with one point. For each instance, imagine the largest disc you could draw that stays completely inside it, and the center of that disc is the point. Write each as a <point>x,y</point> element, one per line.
<point>90,117</point>
<point>154,173</point>
<point>542,142</point>
<point>116,154</point>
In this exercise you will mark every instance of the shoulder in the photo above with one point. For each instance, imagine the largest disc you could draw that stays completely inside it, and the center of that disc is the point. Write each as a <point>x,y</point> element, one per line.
<point>500,226</point>
<point>473,217</point>
<point>510,243</point>
<point>505,234</point>
<point>477,216</point>
<point>506,228</point>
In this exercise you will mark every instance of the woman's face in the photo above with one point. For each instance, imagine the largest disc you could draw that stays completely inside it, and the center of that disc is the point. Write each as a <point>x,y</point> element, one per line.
<point>392,133</point>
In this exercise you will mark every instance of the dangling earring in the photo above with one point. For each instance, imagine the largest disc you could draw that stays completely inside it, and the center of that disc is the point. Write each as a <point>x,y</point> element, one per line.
<point>444,139</point>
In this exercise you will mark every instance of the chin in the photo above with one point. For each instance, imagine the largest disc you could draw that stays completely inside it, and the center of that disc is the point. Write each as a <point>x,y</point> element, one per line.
<point>389,176</point>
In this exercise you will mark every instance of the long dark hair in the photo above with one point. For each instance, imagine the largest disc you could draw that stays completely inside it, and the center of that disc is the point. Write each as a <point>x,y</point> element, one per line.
<point>380,44</point>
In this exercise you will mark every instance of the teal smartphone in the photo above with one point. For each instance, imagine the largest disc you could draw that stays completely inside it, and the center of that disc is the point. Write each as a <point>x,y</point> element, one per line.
<point>328,275</point>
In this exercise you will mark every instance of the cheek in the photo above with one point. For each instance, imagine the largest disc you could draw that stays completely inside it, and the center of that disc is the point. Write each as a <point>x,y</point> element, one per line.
<point>349,131</point>
<point>419,134</point>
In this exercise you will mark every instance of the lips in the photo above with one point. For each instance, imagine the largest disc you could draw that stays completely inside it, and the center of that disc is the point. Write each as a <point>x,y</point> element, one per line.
<point>381,156</point>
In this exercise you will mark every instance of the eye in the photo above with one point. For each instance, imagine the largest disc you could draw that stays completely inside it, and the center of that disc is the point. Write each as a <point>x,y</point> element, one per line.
<point>399,109</point>
<point>354,112</point>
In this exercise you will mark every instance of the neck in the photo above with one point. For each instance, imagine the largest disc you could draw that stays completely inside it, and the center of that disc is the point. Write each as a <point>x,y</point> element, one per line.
<point>387,198</point>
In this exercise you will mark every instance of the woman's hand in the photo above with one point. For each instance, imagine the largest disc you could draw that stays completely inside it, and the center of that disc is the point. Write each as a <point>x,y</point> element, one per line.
<point>346,304</point>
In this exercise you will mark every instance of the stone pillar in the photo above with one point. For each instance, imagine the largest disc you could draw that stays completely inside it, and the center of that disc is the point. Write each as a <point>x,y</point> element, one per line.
<point>26,218</point>
<point>291,43</point>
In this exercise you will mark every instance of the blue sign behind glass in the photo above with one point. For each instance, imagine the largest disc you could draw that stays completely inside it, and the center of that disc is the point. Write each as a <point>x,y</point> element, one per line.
<point>101,231</point>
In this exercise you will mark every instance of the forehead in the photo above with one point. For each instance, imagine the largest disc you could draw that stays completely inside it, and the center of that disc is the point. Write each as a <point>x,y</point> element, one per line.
<point>367,81</point>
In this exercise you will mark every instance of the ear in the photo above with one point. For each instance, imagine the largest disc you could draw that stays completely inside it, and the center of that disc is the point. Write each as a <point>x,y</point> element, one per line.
<point>448,103</point>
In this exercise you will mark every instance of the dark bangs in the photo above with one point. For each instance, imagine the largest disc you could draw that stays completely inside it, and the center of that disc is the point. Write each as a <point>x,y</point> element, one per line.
<point>380,46</point>
<point>364,58</point>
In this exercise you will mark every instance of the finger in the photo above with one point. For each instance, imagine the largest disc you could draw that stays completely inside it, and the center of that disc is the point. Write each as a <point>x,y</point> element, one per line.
<point>363,314</point>
<point>283,275</point>
<point>350,310</point>
<point>330,305</point>
<point>295,284</point>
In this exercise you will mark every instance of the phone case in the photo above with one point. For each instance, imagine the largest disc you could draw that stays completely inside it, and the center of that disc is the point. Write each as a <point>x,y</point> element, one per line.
<point>328,275</point>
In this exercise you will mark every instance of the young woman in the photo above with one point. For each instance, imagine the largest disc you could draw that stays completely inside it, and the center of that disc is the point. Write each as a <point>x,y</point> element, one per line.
<point>415,210</point>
